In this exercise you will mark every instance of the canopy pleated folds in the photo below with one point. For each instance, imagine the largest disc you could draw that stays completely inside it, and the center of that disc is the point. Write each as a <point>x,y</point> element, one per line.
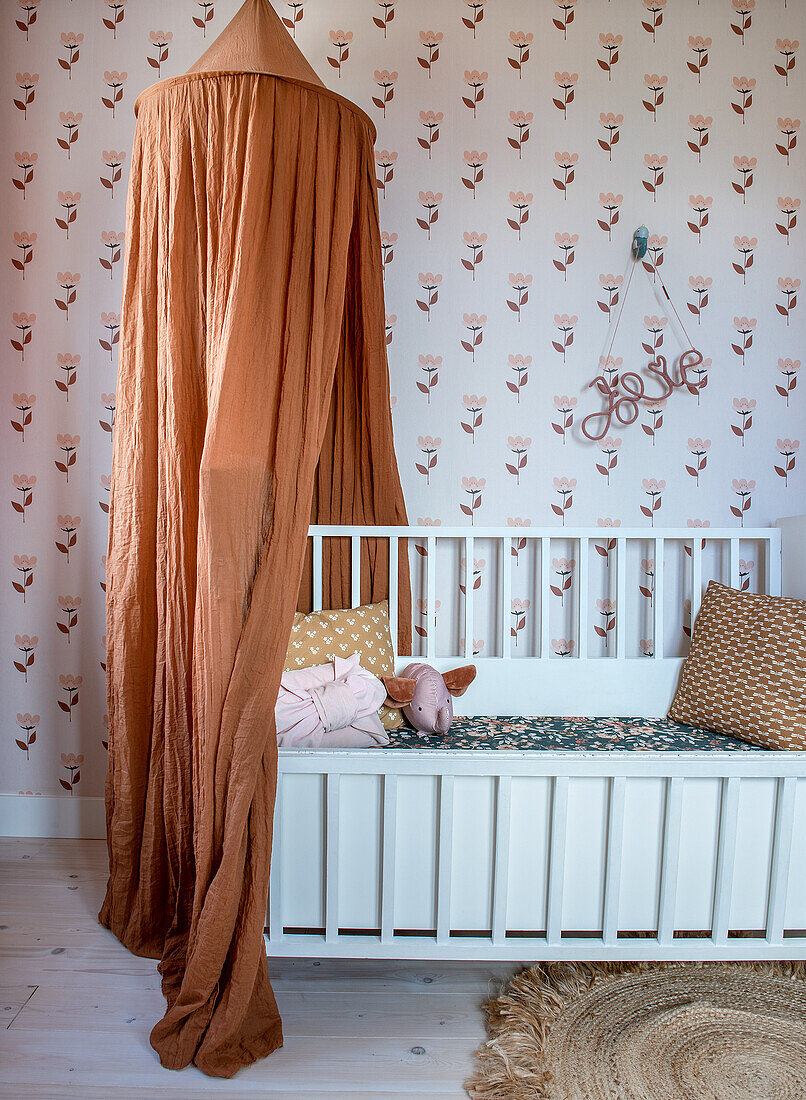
<point>252,346</point>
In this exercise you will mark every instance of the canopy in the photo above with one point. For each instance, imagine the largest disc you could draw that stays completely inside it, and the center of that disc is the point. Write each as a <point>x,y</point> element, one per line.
<point>252,342</point>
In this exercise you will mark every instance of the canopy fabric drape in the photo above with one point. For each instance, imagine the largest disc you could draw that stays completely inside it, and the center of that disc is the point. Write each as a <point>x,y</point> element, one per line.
<point>252,341</point>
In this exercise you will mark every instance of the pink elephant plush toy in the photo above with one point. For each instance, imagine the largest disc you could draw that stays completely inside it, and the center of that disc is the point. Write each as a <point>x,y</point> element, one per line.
<point>424,695</point>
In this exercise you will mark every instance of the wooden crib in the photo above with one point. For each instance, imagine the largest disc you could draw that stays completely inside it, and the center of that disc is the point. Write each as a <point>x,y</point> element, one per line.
<point>537,854</point>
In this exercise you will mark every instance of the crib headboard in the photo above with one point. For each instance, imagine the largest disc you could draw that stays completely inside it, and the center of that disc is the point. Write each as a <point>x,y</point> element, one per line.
<point>561,621</point>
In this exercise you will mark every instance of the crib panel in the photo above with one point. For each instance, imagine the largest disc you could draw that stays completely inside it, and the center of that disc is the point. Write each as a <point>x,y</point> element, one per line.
<point>698,842</point>
<point>750,897</point>
<point>795,914</point>
<point>585,853</point>
<point>528,854</point>
<point>416,852</point>
<point>641,842</point>
<point>360,821</point>
<point>473,848</point>
<point>302,851</point>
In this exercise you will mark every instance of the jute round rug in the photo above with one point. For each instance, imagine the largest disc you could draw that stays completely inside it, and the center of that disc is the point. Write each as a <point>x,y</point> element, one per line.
<point>639,1031</point>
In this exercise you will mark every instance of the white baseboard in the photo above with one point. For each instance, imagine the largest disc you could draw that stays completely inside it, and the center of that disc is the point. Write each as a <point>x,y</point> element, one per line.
<point>68,817</point>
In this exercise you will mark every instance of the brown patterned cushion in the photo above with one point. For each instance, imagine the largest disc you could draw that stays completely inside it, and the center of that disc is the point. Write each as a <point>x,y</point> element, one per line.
<point>323,635</point>
<point>746,671</point>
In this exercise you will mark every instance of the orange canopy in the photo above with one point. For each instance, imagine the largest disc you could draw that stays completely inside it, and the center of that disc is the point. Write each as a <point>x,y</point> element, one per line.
<point>252,342</point>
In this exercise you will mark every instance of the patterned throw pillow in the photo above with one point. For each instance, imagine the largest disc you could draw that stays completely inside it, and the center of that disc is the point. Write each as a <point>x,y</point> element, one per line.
<point>746,671</point>
<point>323,635</point>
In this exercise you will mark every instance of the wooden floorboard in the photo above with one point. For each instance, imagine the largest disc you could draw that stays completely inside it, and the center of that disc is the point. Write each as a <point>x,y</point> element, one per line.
<point>76,1008</point>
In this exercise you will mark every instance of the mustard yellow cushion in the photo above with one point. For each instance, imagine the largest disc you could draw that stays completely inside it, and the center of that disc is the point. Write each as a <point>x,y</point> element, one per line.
<point>746,671</point>
<point>323,635</point>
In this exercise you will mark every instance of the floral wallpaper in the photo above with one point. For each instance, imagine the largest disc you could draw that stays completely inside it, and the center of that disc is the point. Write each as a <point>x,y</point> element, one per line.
<point>520,142</point>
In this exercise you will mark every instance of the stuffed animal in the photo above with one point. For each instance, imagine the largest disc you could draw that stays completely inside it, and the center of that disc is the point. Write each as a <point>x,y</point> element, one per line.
<point>425,695</point>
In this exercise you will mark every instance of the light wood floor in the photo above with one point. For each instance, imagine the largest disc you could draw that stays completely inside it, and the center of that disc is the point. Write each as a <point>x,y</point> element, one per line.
<point>77,1008</point>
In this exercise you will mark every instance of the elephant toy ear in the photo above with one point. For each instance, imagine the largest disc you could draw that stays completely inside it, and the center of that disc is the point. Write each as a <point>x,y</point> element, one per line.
<point>399,690</point>
<point>458,680</point>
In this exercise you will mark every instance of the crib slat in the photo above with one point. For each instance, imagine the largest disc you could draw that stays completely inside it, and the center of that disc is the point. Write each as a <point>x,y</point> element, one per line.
<point>275,873</point>
<point>781,858</point>
<point>469,581</point>
<point>621,598</point>
<point>584,561</point>
<point>559,828</point>
<point>658,600</point>
<point>503,822</point>
<point>670,859</point>
<point>725,859</point>
<point>506,587</point>
<point>393,574</point>
<point>388,850</point>
<point>696,578</point>
<point>734,563</point>
<point>444,858</point>
<point>332,857</point>
<point>355,570</point>
<point>615,836</point>
<point>431,597</point>
<point>317,572</point>
<point>545,602</point>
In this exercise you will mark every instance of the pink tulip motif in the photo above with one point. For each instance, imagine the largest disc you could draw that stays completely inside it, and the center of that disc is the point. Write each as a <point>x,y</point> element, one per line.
<point>431,121</point>
<point>68,526</point>
<point>789,208</point>
<point>566,82</point>
<point>607,610</point>
<point>787,449</point>
<point>70,43</point>
<point>563,647</point>
<point>647,647</point>
<point>647,587</point>
<point>701,125</point>
<point>519,365</point>
<point>788,368</point>
<point>610,367</point>
<point>160,44</point>
<point>108,404</point>
<point>207,14</point>
<point>474,405</point>
<point>24,404</point>
<point>743,407</point>
<point>564,572</point>
<point>698,379</point>
<point>520,201</point>
<point>27,648</point>
<point>520,283</point>
<point>69,607</point>
<point>474,16</point>
<point>611,204</point>
<point>566,16</point>
<point>521,42</point>
<point>518,611</point>
<point>388,242</point>
<point>654,490</point>
<point>700,206</point>
<point>564,488</point>
<point>564,405</point>
<point>68,364</point>
<point>700,287</point>
<point>68,201</point>
<point>385,161</point>
<point>609,448</point>
<point>612,127</point>
<point>610,44</point>
<point>114,82</point>
<point>474,323</point>
<point>745,166</point>
<point>789,288</point>
<point>430,284</point>
<point>430,41</point>
<point>429,447</point>
<point>567,163</point>
<point>391,321</point>
<point>111,322</point>
<point>745,327</point>
<point>743,86</point>
<point>654,326</point>
<point>24,485</point>
<point>68,445</point>
<point>113,161</point>
<point>26,82</point>
<point>654,412</point>
<point>70,122</point>
<point>521,120</point>
<point>565,324</point>
<point>106,486</point>
<point>116,15</point>
<point>655,247</point>
<point>474,242</point>
<point>787,48</point>
<point>745,572</point>
<point>340,41</point>
<point>473,487</point>
<point>475,161</point>
<point>745,246</point>
<point>606,548</point>
<point>698,449</point>
<point>295,16</point>
<point>429,201</point>
<point>25,164</point>
<point>28,8</point>
<point>24,244</point>
<point>383,20</point>
<point>68,281</point>
<point>566,243</point>
<point>71,761</point>
<point>421,608</point>
<point>655,85</point>
<point>519,446</point>
<point>386,81</point>
<point>743,9</point>
<point>476,574</point>
<point>788,129</point>
<point>475,81</point>
<point>25,565</point>
<point>700,47</point>
<point>655,10</point>
<point>743,490</point>
<point>518,544</point>
<point>24,324</point>
<point>28,724</point>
